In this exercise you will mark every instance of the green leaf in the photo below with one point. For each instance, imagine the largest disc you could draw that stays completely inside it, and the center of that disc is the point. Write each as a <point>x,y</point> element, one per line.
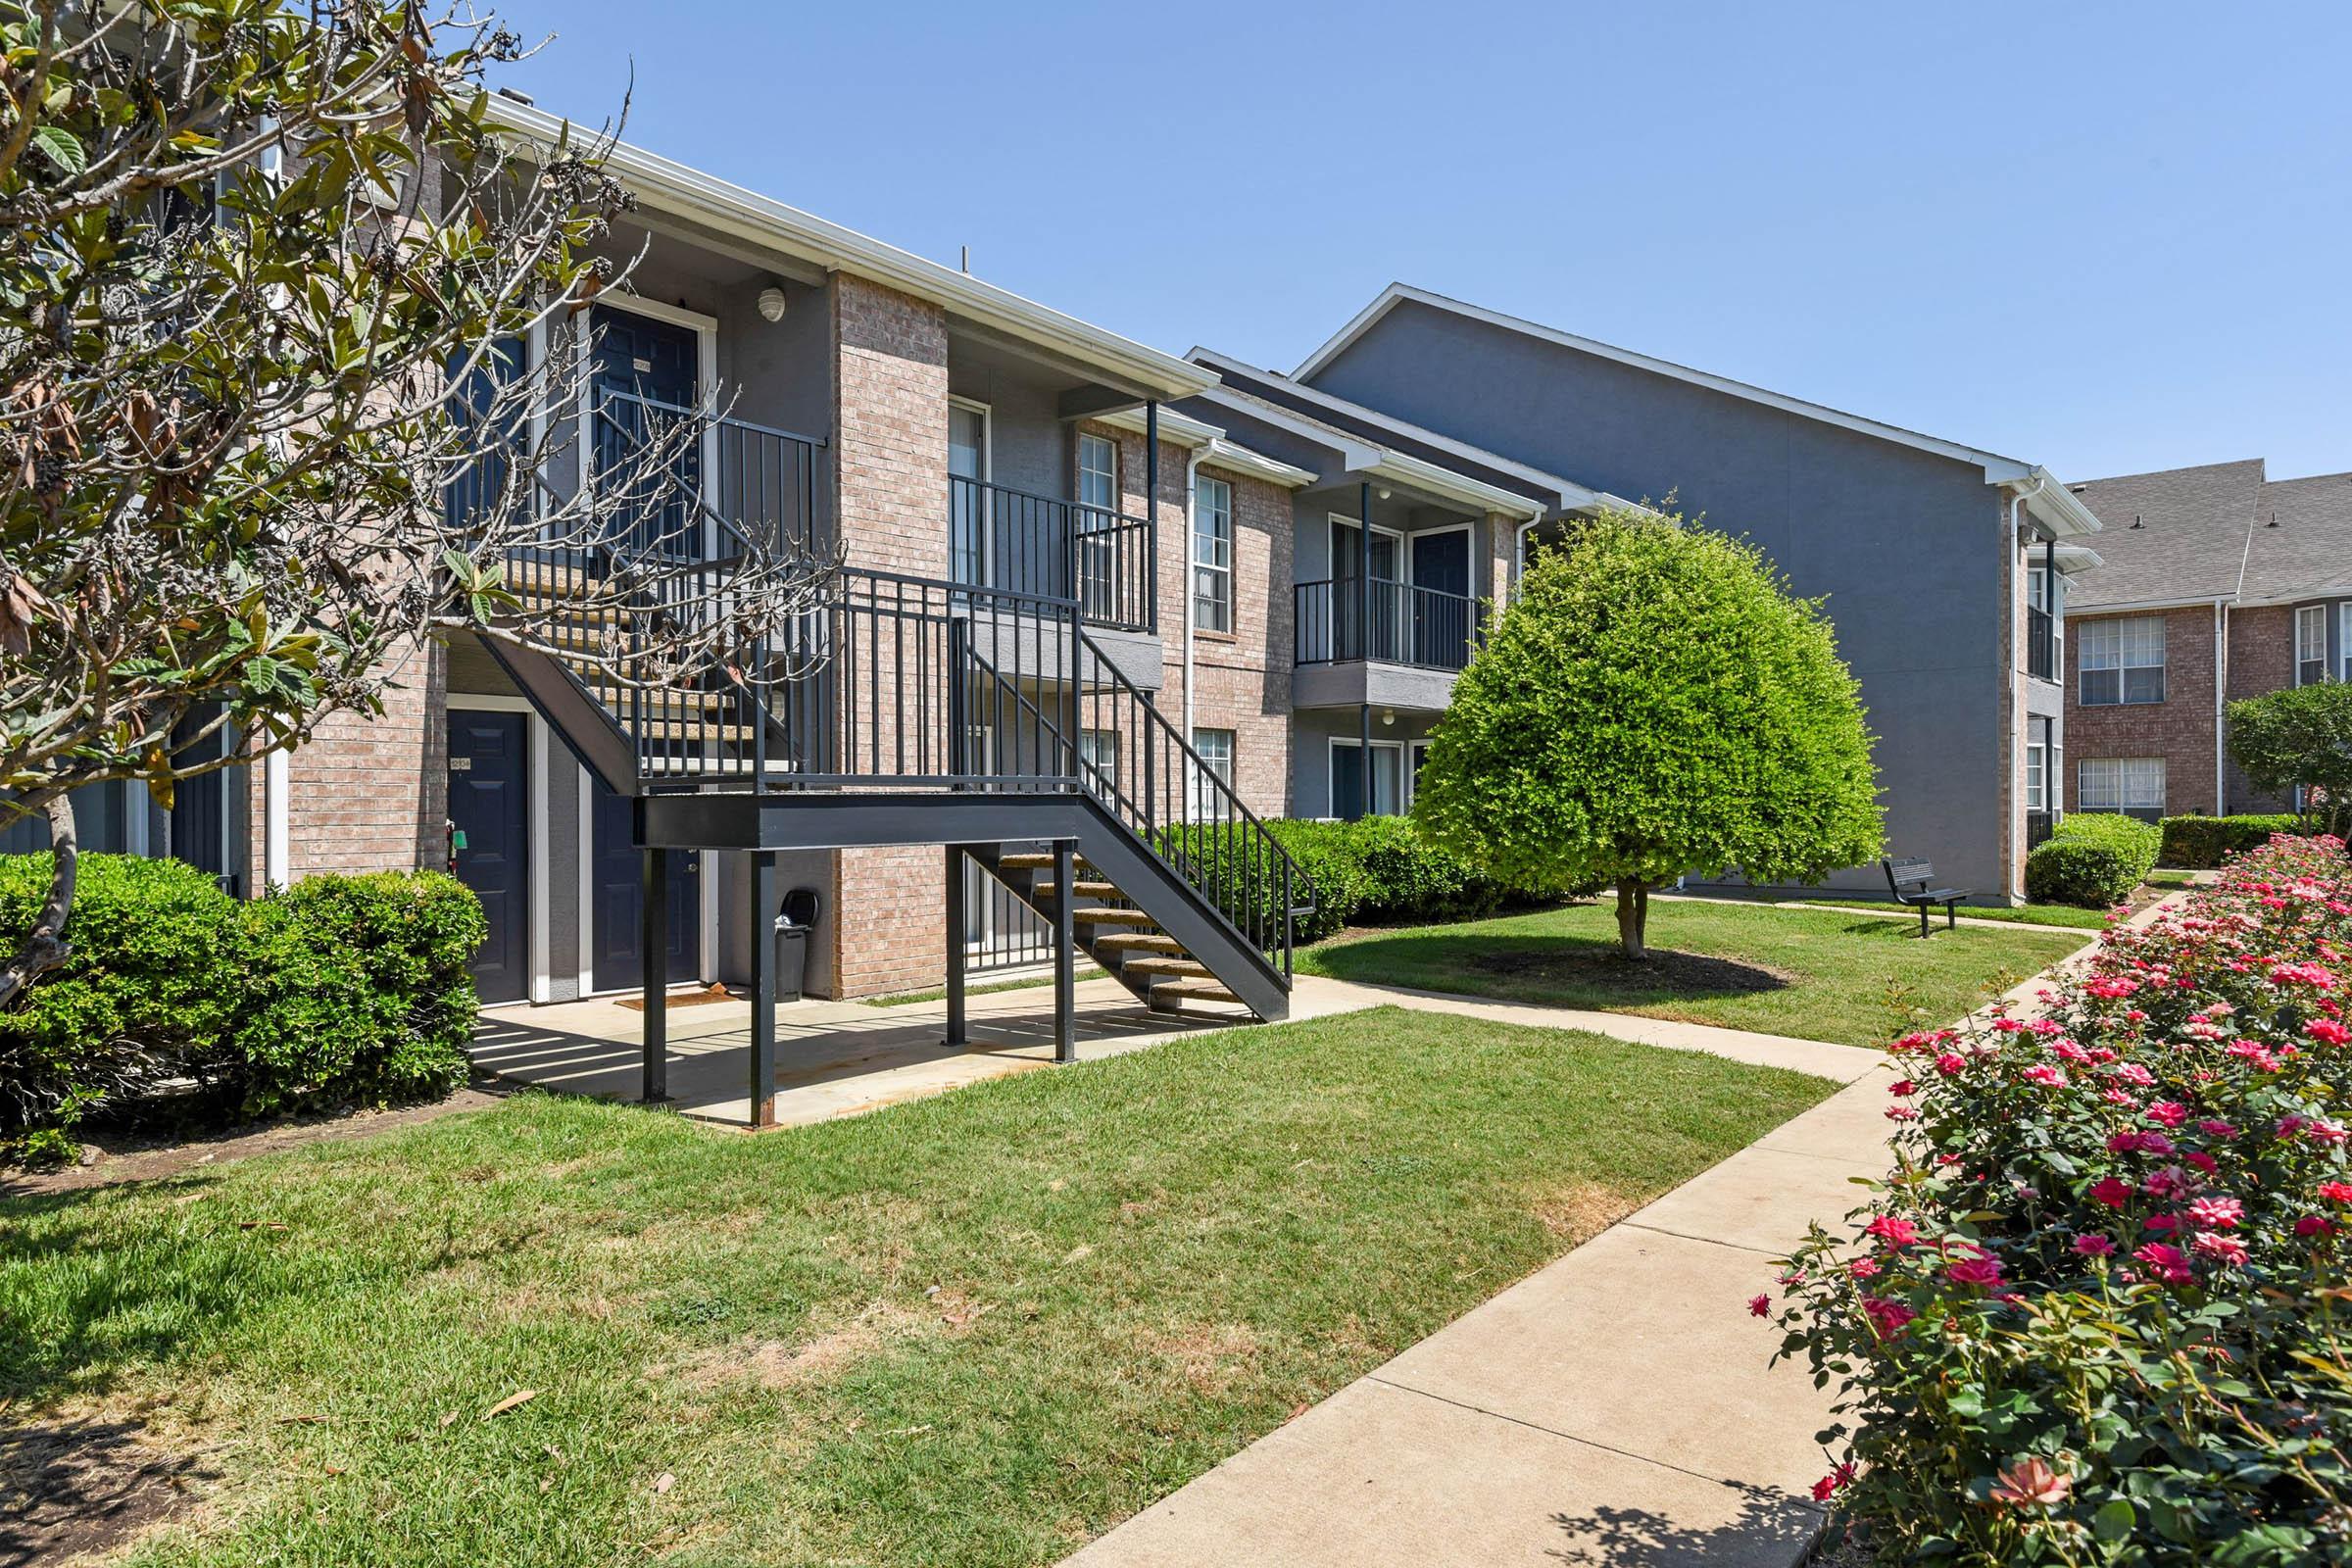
<point>2114,1520</point>
<point>59,146</point>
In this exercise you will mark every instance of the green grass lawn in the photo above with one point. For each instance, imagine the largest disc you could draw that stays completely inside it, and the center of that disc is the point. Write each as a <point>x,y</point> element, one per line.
<point>1813,974</point>
<point>2052,914</point>
<point>975,1329</point>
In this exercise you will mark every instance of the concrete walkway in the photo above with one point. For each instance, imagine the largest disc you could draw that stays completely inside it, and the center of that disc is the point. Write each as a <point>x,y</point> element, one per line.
<point>1615,1407</point>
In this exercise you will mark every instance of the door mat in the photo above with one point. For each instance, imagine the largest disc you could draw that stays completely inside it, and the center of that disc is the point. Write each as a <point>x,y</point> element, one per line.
<point>681,999</point>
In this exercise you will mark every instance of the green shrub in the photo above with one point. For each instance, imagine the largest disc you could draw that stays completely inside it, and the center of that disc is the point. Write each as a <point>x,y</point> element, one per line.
<point>1408,877</point>
<point>345,988</point>
<point>1328,854</point>
<point>2094,860</point>
<point>359,990</point>
<point>146,994</point>
<point>2201,843</point>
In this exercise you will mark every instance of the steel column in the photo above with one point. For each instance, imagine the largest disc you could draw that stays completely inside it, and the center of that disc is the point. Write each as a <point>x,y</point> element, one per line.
<point>957,915</point>
<point>764,988</point>
<point>653,946</point>
<point>1065,969</point>
<point>1363,760</point>
<point>1363,588</point>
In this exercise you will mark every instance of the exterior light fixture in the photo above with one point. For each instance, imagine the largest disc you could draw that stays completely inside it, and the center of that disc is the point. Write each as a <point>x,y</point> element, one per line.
<point>1388,715</point>
<point>773,303</point>
<point>1384,493</point>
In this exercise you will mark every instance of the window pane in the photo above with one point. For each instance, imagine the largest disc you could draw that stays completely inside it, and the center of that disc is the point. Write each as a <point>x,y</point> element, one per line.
<point>2142,685</point>
<point>2101,686</point>
<point>1098,473</point>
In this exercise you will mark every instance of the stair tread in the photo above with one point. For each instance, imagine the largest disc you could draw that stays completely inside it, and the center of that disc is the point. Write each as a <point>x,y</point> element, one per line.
<point>1084,890</point>
<point>1192,990</point>
<point>1111,917</point>
<point>1186,968</point>
<point>1138,943</point>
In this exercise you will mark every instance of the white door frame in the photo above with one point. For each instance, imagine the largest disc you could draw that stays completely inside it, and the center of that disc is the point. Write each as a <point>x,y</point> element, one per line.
<point>984,546</point>
<point>705,391</point>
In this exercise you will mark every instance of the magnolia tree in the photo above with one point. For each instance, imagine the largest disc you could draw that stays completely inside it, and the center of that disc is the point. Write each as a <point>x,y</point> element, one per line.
<point>1654,703</point>
<point>264,269</point>
<point>2299,738</point>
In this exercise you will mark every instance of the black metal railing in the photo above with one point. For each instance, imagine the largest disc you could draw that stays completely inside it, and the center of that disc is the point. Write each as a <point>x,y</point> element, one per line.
<point>1337,621</point>
<point>2042,644</point>
<point>999,537</point>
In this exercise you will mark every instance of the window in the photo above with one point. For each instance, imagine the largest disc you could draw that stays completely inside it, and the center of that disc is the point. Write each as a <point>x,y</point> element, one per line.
<point>2045,623</point>
<point>1098,473</point>
<point>2132,785</point>
<point>1099,749</point>
<point>2123,660</point>
<point>2343,613</point>
<point>2311,644</point>
<point>1212,555</point>
<point>1216,747</point>
<point>1348,780</point>
<point>2036,774</point>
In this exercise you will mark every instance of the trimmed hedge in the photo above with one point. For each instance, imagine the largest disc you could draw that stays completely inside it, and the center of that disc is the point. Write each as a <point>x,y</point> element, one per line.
<point>1380,869</point>
<point>2093,861</point>
<point>344,989</point>
<point>2201,843</point>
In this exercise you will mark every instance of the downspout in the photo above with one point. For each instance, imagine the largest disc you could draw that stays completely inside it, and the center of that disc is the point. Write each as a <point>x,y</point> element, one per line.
<point>2221,697</point>
<point>1192,509</point>
<point>2016,522</point>
<point>278,780</point>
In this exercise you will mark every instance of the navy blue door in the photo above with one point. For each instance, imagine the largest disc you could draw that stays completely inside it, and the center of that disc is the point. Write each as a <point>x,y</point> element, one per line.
<point>1442,606</point>
<point>489,803</point>
<point>648,376</point>
<point>617,887</point>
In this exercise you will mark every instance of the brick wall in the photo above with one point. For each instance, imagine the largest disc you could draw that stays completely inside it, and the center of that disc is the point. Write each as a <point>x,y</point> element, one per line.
<point>366,794</point>
<point>890,452</point>
<point>1241,681</point>
<point>2262,659</point>
<point>2179,730</point>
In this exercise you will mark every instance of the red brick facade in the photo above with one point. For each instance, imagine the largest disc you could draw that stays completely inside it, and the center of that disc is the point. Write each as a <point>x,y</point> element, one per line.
<point>2182,728</point>
<point>1241,679</point>
<point>891,467</point>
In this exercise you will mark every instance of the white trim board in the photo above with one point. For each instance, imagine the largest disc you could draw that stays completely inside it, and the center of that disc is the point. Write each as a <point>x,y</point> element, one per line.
<point>2051,501</point>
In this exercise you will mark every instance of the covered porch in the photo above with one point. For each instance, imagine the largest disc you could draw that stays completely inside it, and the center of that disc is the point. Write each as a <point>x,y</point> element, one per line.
<point>832,1059</point>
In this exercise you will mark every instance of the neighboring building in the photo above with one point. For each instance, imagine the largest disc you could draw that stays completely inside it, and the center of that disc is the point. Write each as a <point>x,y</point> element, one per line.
<point>1102,596</point>
<point>2217,583</point>
<point>1925,549</point>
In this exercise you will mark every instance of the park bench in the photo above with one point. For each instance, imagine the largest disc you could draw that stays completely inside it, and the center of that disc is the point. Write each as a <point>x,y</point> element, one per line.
<point>1913,884</point>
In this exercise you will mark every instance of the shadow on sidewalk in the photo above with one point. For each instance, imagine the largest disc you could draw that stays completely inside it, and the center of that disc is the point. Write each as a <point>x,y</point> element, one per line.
<point>1771,1530</point>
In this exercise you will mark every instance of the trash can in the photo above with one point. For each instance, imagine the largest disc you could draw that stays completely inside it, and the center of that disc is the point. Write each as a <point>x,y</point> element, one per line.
<point>794,921</point>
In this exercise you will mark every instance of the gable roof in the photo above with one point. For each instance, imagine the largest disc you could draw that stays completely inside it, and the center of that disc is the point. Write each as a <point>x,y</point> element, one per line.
<point>2049,501</point>
<point>666,185</point>
<point>2218,530</point>
<point>1339,413</point>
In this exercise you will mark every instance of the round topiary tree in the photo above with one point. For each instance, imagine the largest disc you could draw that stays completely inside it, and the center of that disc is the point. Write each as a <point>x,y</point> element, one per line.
<point>2299,738</point>
<point>1654,703</point>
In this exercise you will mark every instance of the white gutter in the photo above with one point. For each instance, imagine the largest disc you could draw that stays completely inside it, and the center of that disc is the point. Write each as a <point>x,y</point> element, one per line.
<point>2220,692</point>
<point>1191,506</point>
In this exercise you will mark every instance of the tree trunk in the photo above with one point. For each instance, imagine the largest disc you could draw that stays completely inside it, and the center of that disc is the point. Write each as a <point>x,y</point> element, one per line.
<point>1632,918</point>
<point>45,947</point>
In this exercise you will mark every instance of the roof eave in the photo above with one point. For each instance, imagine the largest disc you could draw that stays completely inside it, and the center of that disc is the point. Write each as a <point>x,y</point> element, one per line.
<point>672,188</point>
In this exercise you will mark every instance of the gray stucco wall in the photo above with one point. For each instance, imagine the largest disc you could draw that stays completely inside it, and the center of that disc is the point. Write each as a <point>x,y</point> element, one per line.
<point>1311,734</point>
<point>1906,545</point>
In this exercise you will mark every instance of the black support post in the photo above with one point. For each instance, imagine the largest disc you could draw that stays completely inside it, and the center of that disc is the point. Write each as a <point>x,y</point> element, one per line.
<point>1363,588</point>
<point>764,988</point>
<point>957,917</point>
<point>1363,760</point>
<point>653,945</point>
<point>1065,968</point>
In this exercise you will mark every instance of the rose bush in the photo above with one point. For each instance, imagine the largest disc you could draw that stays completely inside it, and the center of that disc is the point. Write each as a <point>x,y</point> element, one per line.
<point>2099,1312</point>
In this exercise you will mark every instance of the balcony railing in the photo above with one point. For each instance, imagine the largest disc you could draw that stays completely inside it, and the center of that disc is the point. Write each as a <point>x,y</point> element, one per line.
<point>999,537</point>
<point>1399,623</point>
<point>2042,644</point>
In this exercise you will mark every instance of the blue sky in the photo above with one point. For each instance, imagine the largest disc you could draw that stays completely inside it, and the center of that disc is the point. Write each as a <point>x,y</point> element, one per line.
<point>2107,238</point>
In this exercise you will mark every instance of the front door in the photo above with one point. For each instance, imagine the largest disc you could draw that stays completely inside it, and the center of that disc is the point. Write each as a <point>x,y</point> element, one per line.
<point>617,888</point>
<point>1441,606</point>
<point>647,385</point>
<point>489,809</point>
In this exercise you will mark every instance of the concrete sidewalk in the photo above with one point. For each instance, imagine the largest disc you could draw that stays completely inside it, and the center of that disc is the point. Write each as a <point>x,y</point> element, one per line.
<point>1614,1408</point>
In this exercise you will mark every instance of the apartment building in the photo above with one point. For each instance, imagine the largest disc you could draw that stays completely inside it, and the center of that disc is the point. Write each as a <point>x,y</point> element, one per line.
<point>2218,582</point>
<point>1940,563</point>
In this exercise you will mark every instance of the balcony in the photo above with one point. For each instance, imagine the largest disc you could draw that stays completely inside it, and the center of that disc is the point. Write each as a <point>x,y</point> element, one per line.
<point>1000,537</point>
<point>2042,644</point>
<point>1399,623</point>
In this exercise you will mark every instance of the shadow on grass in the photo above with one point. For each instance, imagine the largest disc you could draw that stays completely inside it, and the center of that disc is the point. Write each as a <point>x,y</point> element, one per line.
<point>82,1487</point>
<point>1550,964</point>
<point>1767,1527</point>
